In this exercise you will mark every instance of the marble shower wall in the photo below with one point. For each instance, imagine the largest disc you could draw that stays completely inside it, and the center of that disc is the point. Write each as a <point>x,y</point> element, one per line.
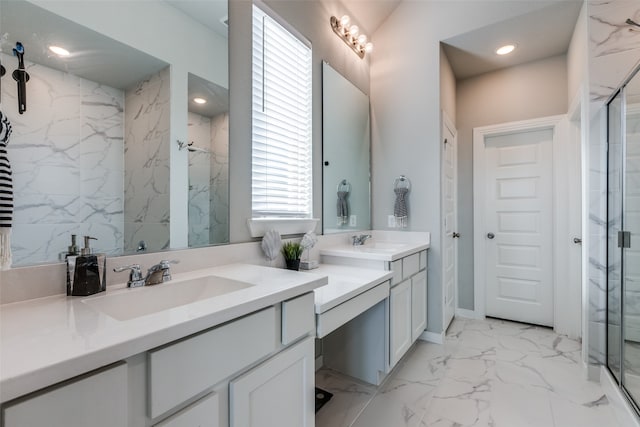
<point>147,125</point>
<point>219,182</point>
<point>209,180</point>
<point>199,176</point>
<point>614,51</point>
<point>66,152</point>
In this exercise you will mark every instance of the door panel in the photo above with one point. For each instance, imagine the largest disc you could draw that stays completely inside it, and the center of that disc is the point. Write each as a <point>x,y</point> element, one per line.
<point>519,213</point>
<point>450,225</point>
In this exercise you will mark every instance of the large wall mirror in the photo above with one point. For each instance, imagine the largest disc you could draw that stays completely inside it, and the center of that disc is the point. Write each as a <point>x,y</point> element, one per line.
<point>112,143</point>
<point>346,147</point>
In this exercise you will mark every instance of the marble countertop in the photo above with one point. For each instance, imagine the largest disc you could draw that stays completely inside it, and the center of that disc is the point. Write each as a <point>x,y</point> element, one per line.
<point>345,283</point>
<point>377,250</point>
<point>47,340</point>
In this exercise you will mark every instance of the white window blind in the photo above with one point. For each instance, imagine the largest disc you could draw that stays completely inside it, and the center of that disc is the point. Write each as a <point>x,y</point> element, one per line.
<point>281,125</point>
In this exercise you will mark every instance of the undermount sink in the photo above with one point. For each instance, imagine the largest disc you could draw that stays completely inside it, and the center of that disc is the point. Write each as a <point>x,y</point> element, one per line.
<point>131,303</point>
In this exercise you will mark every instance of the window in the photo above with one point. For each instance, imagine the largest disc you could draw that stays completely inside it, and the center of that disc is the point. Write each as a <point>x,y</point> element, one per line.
<point>281,125</point>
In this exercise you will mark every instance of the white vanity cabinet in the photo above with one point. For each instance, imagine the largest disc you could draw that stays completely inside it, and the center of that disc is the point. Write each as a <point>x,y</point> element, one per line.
<point>260,366</point>
<point>255,371</point>
<point>400,316</point>
<point>98,399</point>
<point>279,392</point>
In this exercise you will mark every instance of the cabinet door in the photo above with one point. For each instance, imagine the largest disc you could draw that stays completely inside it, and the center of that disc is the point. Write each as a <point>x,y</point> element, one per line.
<point>97,400</point>
<point>399,321</point>
<point>202,413</point>
<point>279,392</point>
<point>418,304</point>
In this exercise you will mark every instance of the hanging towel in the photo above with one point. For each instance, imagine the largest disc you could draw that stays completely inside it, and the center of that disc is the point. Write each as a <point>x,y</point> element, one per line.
<point>400,207</point>
<point>6,194</point>
<point>343,208</point>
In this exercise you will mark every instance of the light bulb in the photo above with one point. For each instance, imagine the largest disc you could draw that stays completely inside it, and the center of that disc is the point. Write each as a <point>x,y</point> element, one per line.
<point>368,47</point>
<point>345,20</point>
<point>505,49</point>
<point>60,51</point>
<point>362,39</point>
<point>199,100</point>
<point>353,31</point>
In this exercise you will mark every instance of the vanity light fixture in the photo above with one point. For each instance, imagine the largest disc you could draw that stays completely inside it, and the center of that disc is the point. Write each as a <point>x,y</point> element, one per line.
<point>199,100</point>
<point>60,51</point>
<point>350,34</point>
<point>506,49</point>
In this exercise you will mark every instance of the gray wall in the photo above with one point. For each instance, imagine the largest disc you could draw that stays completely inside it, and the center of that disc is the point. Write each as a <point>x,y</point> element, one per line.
<point>405,94</point>
<point>535,89</point>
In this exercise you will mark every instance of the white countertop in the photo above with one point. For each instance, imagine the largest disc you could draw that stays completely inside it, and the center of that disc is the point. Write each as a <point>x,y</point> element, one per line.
<point>377,250</point>
<point>47,340</point>
<point>345,283</point>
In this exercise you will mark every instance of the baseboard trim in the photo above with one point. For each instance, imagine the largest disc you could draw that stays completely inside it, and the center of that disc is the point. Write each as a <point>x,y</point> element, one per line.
<point>434,337</point>
<point>468,314</point>
<point>319,362</point>
<point>622,409</point>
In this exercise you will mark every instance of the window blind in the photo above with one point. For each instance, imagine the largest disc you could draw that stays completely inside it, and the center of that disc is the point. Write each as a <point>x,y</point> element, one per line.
<point>281,124</point>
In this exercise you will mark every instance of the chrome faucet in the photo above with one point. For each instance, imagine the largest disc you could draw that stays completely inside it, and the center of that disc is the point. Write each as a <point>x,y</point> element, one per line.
<point>359,240</point>
<point>158,273</point>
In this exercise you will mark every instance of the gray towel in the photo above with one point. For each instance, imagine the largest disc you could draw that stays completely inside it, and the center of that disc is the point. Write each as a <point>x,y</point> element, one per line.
<point>400,207</point>
<point>6,194</point>
<point>343,208</point>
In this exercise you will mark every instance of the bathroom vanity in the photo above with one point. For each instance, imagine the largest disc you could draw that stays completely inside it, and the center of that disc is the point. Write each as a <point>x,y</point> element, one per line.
<point>386,281</point>
<point>240,356</point>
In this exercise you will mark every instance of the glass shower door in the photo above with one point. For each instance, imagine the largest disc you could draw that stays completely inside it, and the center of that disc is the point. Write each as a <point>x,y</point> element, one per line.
<point>631,252</point>
<point>614,228</point>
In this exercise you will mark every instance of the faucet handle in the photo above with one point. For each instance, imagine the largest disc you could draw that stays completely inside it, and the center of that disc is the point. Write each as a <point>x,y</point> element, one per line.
<point>135,275</point>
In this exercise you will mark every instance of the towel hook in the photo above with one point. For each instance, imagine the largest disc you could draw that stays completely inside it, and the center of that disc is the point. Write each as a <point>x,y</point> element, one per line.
<point>402,182</point>
<point>344,185</point>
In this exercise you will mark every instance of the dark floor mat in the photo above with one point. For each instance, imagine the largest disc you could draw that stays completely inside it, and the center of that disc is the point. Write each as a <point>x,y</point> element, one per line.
<point>322,397</point>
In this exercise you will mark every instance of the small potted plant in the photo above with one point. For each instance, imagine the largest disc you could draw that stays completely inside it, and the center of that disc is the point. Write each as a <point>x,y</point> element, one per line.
<point>292,251</point>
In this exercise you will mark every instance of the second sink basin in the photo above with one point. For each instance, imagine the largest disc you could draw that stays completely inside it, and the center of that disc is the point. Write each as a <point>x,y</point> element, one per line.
<point>131,303</point>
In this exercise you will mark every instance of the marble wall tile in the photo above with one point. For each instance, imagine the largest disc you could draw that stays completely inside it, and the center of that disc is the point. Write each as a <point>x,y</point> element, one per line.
<point>66,152</point>
<point>219,185</point>
<point>146,163</point>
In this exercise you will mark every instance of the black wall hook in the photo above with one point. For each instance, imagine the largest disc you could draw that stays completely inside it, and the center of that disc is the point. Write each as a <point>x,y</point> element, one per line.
<point>21,77</point>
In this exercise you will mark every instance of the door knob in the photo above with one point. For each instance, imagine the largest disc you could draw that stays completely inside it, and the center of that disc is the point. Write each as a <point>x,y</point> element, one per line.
<point>456,235</point>
<point>490,235</point>
<point>577,240</point>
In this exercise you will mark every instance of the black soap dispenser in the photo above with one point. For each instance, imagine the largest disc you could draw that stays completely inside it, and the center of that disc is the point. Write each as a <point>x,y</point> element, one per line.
<point>86,272</point>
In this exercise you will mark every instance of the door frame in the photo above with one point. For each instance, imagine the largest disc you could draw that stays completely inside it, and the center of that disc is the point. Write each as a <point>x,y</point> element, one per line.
<point>448,123</point>
<point>559,124</point>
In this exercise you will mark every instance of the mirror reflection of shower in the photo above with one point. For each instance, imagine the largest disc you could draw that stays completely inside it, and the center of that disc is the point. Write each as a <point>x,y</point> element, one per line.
<point>208,152</point>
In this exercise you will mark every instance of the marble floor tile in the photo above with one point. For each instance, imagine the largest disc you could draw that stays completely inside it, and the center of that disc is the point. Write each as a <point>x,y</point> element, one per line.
<point>488,373</point>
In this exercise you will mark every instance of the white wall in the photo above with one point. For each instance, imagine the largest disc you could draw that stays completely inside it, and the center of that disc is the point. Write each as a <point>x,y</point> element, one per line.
<point>447,87</point>
<point>577,56</point>
<point>527,91</point>
<point>405,90</point>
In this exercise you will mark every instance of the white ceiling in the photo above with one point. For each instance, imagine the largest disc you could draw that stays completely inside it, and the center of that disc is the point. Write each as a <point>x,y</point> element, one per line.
<point>210,13</point>
<point>540,34</point>
<point>217,97</point>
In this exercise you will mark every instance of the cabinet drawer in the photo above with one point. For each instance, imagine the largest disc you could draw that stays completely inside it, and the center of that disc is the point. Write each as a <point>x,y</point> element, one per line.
<point>182,370</point>
<point>98,400</point>
<point>410,265</point>
<point>298,318</point>
<point>423,260</point>
<point>396,267</point>
<point>202,413</point>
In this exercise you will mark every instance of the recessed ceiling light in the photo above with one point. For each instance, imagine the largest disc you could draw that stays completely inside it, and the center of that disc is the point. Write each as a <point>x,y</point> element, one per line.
<point>199,100</point>
<point>506,49</point>
<point>60,51</point>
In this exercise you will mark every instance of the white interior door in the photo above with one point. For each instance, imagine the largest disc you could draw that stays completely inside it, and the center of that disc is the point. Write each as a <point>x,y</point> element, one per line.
<point>519,226</point>
<point>449,214</point>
